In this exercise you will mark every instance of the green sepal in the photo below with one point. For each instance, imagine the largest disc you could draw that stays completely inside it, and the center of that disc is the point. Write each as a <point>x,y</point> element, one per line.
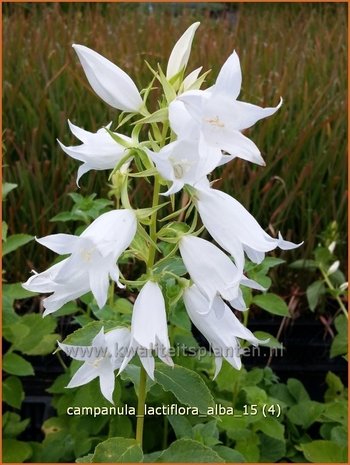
<point>159,116</point>
<point>143,213</point>
<point>118,139</point>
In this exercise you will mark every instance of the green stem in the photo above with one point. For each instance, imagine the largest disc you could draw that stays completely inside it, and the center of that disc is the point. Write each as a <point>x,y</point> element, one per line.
<point>330,285</point>
<point>141,406</point>
<point>153,226</point>
<point>150,263</point>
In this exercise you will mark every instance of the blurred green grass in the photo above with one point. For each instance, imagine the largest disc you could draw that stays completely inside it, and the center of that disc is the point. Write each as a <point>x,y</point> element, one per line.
<point>298,51</point>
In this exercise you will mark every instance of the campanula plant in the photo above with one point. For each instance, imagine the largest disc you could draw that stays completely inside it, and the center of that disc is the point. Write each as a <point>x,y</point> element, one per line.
<point>177,146</point>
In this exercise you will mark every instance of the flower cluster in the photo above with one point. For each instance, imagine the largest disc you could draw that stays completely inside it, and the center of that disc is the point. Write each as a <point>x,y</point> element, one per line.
<point>201,130</point>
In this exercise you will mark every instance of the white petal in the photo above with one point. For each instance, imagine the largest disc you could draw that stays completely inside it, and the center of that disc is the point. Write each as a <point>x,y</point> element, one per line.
<point>287,245</point>
<point>181,121</point>
<point>109,82</point>
<point>82,353</point>
<point>83,375</point>
<point>107,379</point>
<point>180,54</point>
<point>84,168</point>
<point>118,341</point>
<point>235,143</point>
<point>99,340</point>
<point>218,365</point>
<point>149,320</point>
<point>148,364</point>
<point>191,78</point>
<point>248,114</point>
<point>59,243</point>
<point>99,283</point>
<point>229,79</point>
<point>81,134</point>
<point>254,255</point>
<point>112,232</point>
<point>211,270</point>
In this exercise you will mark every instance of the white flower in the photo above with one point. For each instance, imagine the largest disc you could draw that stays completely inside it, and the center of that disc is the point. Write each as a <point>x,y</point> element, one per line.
<point>234,228</point>
<point>214,273</point>
<point>180,54</point>
<point>333,268</point>
<point>109,82</point>
<point>98,151</point>
<point>181,163</point>
<point>149,329</point>
<point>191,79</point>
<point>92,261</point>
<point>221,333</point>
<point>100,359</point>
<point>210,269</point>
<point>219,116</point>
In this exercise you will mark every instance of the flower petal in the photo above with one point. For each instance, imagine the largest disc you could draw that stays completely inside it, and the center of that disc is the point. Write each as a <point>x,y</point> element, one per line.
<point>107,379</point>
<point>180,53</point>
<point>59,243</point>
<point>248,114</point>
<point>109,82</point>
<point>149,317</point>
<point>229,80</point>
<point>83,375</point>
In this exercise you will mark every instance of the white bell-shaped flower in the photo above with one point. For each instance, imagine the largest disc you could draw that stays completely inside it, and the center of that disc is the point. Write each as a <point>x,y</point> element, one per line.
<point>92,260</point>
<point>100,359</point>
<point>180,53</point>
<point>234,228</point>
<point>98,151</point>
<point>220,117</point>
<point>181,163</point>
<point>221,333</point>
<point>109,82</point>
<point>149,329</point>
<point>211,270</point>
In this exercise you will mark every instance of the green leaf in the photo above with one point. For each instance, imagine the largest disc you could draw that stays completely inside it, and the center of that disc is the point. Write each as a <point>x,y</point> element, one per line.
<point>304,264</point>
<point>16,291</point>
<point>132,373</point>
<point>229,455</point>
<point>32,335</point>
<point>314,292</point>
<point>15,241</point>
<point>272,303</point>
<point>189,451</point>
<point>255,395</point>
<point>15,451</point>
<point>12,425</point>
<point>84,336</point>
<point>335,387</point>
<point>271,427</point>
<point>305,413</point>
<point>117,450</point>
<point>187,386</point>
<point>324,452</point>
<point>12,391</point>
<point>85,459</point>
<point>181,426</point>
<point>14,364</point>
<point>296,388</point>
<point>4,230</point>
<point>271,449</point>
<point>7,187</point>
<point>273,342</point>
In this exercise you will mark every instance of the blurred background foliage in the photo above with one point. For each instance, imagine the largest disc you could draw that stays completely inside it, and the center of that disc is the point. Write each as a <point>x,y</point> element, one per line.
<point>297,51</point>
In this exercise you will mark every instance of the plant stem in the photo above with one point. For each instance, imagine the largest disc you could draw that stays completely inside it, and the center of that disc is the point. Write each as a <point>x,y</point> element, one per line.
<point>153,226</point>
<point>337,298</point>
<point>141,406</point>
<point>150,263</point>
